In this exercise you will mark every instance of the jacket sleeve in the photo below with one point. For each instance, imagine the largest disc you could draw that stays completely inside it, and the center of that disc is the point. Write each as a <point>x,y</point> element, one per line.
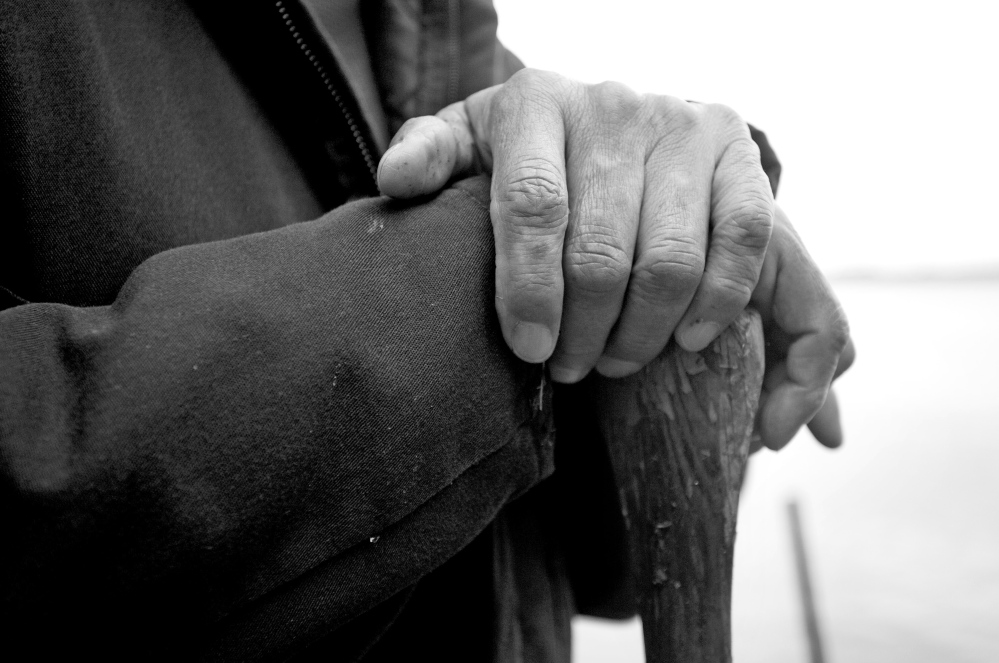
<point>261,437</point>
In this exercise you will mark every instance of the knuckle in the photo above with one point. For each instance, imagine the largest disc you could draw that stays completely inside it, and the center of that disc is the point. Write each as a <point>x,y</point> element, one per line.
<point>534,284</point>
<point>535,196</point>
<point>670,114</point>
<point>689,197</point>
<point>614,100</point>
<point>529,76</point>
<point>726,117</point>
<point>741,156</point>
<point>508,99</point>
<point>686,204</point>
<point>524,78</point>
<point>839,331</point>
<point>530,83</point>
<point>669,271</point>
<point>846,360</point>
<point>597,266</point>
<point>732,290</point>
<point>747,149</point>
<point>748,227</point>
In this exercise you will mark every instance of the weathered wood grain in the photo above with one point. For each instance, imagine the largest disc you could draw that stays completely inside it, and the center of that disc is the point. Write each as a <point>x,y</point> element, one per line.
<point>679,433</point>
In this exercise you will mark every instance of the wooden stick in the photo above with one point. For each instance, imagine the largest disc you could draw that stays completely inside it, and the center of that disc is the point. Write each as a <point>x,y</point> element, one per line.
<point>679,433</point>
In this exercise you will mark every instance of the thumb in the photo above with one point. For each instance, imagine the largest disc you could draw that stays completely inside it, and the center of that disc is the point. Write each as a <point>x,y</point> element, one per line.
<point>429,151</point>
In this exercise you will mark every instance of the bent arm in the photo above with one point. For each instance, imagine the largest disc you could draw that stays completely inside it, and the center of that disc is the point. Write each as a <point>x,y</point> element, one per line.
<point>251,410</point>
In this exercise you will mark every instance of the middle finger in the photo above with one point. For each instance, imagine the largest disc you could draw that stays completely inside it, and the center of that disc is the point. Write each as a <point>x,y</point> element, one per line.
<point>604,170</point>
<point>669,257</point>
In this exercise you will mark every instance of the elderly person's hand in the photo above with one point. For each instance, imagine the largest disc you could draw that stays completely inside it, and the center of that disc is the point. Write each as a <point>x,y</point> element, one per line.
<point>807,343</point>
<point>620,219</point>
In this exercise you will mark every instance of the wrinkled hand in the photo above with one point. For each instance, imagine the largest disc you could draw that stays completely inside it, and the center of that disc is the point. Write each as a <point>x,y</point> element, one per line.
<point>808,344</point>
<point>601,202</point>
<point>619,219</point>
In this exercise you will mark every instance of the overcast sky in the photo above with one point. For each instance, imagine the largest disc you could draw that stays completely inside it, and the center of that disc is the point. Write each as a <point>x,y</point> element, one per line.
<point>884,114</point>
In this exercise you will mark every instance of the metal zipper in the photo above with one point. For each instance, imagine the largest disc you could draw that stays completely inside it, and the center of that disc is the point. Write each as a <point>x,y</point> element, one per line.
<point>358,136</point>
<point>454,50</point>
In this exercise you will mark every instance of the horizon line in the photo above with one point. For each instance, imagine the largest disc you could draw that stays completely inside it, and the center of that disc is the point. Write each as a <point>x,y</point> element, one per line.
<point>919,274</point>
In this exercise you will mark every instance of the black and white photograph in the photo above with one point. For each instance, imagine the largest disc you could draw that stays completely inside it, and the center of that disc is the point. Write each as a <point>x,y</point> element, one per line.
<point>501,331</point>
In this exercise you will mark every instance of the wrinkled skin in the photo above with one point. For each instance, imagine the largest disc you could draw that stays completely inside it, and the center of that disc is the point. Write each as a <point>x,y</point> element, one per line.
<point>621,220</point>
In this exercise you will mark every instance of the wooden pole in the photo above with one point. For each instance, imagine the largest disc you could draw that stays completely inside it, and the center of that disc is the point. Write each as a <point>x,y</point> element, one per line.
<point>809,613</point>
<point>679,434</point>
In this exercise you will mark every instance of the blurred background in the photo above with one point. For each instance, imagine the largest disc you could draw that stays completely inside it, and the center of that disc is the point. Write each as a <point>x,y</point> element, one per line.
<point>884,115</point>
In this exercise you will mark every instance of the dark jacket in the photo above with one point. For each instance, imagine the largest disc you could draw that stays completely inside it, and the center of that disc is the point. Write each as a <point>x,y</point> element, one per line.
<point>234,424</point>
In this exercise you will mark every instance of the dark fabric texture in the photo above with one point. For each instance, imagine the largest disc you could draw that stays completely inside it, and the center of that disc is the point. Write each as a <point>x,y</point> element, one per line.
<point>133,136</point>
<point>433,53</point>
<point>505,598</point>
<point>247,411</point>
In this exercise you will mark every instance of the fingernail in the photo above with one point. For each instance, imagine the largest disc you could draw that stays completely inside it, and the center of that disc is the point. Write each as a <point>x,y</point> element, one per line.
<point>616,368</point>
<point>777,444</point>
<point>386,157</point>
<point>394,147</point>
<point>532,342</point>
<point>394,150</point>
<point>566,374</point>
<point>697,336</point>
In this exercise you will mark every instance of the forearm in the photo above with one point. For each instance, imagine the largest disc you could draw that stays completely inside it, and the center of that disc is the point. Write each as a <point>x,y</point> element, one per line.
<point>247,410</point>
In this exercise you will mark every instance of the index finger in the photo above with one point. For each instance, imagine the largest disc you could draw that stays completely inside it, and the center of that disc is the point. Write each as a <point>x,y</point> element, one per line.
<point>807,376</point>
<point>529,209</point>
<point>795,298</point>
